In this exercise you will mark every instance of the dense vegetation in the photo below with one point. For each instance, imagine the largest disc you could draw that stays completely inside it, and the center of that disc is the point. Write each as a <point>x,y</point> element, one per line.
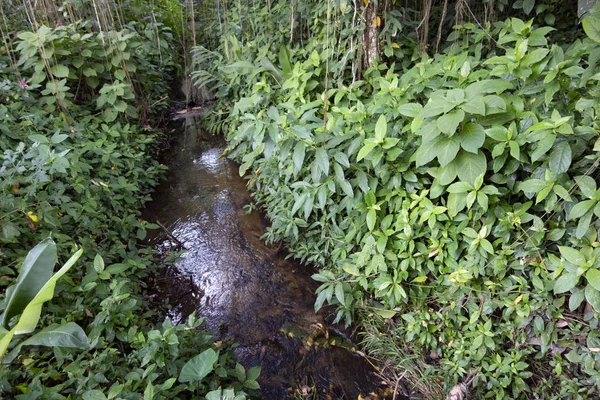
<point>79,88</point>
<point>449,197</point>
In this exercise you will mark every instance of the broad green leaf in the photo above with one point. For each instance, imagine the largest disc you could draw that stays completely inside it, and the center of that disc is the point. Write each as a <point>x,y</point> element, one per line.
<point>33,275</point>
<point>591,26</point>
<point>470,166</point>
<point>60,71</point>
<point>472,137</point>
<point>370,198</point>
<point>371,218</point>
<point>581,208</point>
<point>299,153</point>
<point>98,263</point>
<point>199,367</point>
<point>436,107</point>
<point>565,283</point>
<point>543,146</point>
<point>593,277</point>
<point>448,123</point>
<point>365,150</point>
<point>384,313</point>
<point>410,110</point>
<point>284,61</point>
<point>425,153</point>
<point>474,106</point>
<point>587,185</point>
<point>31,314</point>
<point>93,395</point>
<point>339,293</point>
<point>486,86</point>
<point>380,128</point>
<point>572,255</point>
<point>494,104</point>
<point>592,296</point>
<point>577,296</point>
<point>445,149</point>
<point>560,158</point>
<point>67,335</point>
<point>351,269</point>
<point>528,6</point>
<point>322,160</point>
<point>532,185</point>
<point>460,187</point>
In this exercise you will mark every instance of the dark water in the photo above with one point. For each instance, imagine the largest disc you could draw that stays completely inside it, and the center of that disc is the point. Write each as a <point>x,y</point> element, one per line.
<point>245,289</point>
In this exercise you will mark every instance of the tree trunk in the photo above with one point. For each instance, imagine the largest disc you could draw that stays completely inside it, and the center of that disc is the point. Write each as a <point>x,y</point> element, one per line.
<point>371,34</point>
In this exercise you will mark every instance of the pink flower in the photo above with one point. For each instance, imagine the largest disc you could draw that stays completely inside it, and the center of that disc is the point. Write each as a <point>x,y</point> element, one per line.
<point>56,25</point>
<point>23,83</point>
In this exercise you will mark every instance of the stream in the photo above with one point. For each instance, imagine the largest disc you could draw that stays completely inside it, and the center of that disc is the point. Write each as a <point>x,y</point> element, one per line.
<point>245,289</point>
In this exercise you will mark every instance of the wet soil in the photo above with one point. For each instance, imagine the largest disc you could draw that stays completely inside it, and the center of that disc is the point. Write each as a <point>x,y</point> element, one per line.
<point>245,289</point>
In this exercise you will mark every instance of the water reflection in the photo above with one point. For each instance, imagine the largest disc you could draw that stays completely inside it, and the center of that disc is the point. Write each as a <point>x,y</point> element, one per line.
<point>245,289</point>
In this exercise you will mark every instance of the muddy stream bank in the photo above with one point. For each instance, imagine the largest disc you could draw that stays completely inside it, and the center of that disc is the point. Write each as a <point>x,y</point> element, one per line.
<point>245,289</point>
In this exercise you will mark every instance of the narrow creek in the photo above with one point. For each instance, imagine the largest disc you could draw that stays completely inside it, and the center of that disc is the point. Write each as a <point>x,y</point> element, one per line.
<point>245,289</point>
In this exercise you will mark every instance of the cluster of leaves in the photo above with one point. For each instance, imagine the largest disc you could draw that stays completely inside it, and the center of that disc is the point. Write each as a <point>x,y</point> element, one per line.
<point>76,165</point>
<point>455,196</point>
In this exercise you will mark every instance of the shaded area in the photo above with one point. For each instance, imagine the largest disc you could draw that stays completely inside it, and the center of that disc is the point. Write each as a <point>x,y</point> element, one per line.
<point>244,288</point>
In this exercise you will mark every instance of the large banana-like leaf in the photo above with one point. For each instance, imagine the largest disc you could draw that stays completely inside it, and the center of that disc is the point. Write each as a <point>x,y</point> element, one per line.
<point>31,313</point>
<point>35,272</point>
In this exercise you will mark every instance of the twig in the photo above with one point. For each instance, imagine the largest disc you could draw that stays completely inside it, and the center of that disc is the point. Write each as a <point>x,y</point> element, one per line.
<point>170,235</point>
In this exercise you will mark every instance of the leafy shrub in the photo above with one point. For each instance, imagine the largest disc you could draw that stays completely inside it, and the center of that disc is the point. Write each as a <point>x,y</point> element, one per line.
<point>76,165</point>
<point>455,196</point>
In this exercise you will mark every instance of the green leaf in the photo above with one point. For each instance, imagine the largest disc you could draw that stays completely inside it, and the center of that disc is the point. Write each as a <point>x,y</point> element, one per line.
<point>565,283</point>
<point>410,110</point>
<point>581,208</point>
<point>31,314</point>
<point>351,269</point>
<point>472,137</point>
<point>322,160</point>
<point>460,187</point>
<point>34,274</point>
<point>253,373</point>
<point>199,367</point>
<point>299,153</point>
<point>436,107</point>
<point>425,153</point>
<point>474,106</point>
<point>365,150</point>
<point>98,263</point>
<point>591,26</point>
<point>577,296</point>
<point>371,218</point>
<point>560,158</point>
<point>284,61</point>
<point>446,149</point>
<point>60,71</point>
<point>93,395</point>
<point>572,255</point>
<point>528,6</point>
<point>470,166</point>
<point>587,185</point>
<point>593,277</point>
<point>448,123</point>
<point>339,293</point>
<point>592,296</point>
<point>380,128</point>
<point>67,335</point>
<point>385,313</point>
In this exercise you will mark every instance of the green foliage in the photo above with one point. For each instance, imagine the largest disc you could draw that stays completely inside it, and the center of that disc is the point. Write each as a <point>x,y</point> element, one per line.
<point>35,286</point>
<point>454,195</point>
<point>77,164</point>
